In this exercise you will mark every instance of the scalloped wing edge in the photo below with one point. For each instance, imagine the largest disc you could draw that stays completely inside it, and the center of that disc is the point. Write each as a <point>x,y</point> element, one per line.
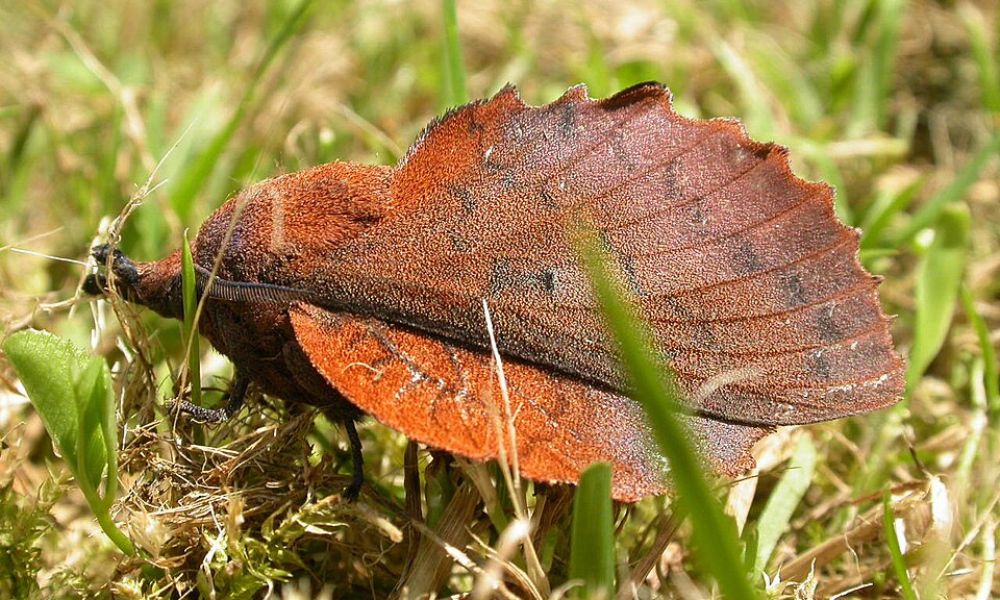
<point>652,91</point>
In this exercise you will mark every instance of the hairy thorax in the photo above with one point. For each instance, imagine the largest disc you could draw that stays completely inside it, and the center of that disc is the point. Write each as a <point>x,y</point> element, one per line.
<point>253,228</point>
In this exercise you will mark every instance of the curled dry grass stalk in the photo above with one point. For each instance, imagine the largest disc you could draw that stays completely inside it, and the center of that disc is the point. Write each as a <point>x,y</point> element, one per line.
<point>894,103</point>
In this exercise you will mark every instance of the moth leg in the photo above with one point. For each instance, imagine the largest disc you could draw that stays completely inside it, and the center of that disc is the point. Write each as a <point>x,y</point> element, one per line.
<point>358,460</point>
<point>233,402</point>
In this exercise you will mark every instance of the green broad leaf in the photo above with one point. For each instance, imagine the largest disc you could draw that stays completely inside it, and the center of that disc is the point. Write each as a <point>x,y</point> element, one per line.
<point>783,501</point>
<point>93,398</point>
<point>715,541</point>
<point>939,276</point>
<point>73,394</point>
<point>592,553</point>
<point>49,368</point>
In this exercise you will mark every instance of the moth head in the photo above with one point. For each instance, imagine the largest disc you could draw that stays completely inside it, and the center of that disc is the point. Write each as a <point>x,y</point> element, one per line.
<point>156,284</point>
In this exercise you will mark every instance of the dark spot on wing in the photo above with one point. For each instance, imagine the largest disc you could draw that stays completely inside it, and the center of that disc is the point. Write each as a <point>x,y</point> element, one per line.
<point>567,120</point>
<point>671,187</point>
<point>697,214</point>
<point>457,243</point>
<point>680,311</point>
<point>631,275</point>
<point>507,180</point>
<point>548,279</point>
<point>367,219</point>
<point>820,365</point>
<point>792,286</point>
<point>475,127</point>
<point>627,264</point>
<point>705,339</point>
<point>548,200</point>
<point>512,275</point>
<point>829,330</point>
<point>747,259</point>
<point>501,275</point>
<point>464,196</point>
<point>621,154</point>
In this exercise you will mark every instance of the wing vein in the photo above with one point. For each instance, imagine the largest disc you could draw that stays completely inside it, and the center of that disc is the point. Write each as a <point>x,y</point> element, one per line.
<point>804,202</point>
<point>662,210</point>
<point>804,258</point>
<point>846,292</point>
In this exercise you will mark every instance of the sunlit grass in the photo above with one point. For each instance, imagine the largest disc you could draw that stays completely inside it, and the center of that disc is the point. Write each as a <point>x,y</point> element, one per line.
<point>893,102</point>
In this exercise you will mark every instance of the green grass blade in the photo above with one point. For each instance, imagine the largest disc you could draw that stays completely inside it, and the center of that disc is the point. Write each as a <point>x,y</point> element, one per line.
<point>456,93</point>
<point>784,499</point>
<point>991,379</point>
<point>715,546</point>
<point>196,174</point>
<point>873,77</point>
<point>985,57</point>
<point>890,15</point>
<point>939,276</point>
<point>895,553</point>
<point>886,206</point>
<point>759,120</point>
<point>969,174</point>
<point>787,80</point>
<point>865,113</point>
<point>189,285</point>
<point>592,554</point>
<point>831,173</point>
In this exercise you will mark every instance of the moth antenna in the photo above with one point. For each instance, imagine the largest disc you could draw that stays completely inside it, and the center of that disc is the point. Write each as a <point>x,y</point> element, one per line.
<point>244,291</point>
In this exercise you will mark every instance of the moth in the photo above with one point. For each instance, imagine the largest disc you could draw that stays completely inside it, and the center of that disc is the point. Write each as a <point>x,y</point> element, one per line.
<point>365,289</point>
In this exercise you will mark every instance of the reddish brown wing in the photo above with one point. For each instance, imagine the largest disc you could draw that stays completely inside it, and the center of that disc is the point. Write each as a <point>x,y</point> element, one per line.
<point>448,397</point>
<point>751,283</point>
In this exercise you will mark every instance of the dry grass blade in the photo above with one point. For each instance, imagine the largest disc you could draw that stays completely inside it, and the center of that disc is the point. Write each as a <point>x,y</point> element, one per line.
<point>985,590</point>
<point>432,565</point>
<point>913,507</point>
<point>666,531</point>
<point>511,471</point>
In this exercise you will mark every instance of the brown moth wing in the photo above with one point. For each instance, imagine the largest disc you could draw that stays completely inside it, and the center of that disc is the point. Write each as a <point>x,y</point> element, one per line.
<point>448,397</point>
<point>752,285</point>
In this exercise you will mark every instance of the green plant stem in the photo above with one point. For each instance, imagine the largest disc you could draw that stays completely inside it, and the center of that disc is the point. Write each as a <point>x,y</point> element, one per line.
<point>457,92</point>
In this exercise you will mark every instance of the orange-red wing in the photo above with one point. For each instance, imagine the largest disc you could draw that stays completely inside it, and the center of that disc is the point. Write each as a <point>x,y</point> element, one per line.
<point>448,397</point>
<point>751,283</point>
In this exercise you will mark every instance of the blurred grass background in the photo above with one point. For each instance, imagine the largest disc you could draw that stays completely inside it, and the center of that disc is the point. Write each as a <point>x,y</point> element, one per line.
<point>894,102</point>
